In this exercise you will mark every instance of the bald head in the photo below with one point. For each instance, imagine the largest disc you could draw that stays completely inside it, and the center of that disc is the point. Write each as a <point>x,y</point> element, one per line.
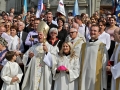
<point>75,25</point>
<point>2,29</point>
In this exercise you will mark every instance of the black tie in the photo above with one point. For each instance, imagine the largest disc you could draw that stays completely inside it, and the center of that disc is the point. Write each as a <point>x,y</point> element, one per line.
<point>93,40</point>
<point>18,34</point>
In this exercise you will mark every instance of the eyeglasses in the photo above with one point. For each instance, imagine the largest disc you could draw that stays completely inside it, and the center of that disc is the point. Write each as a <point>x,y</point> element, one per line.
<point>31,20</point>
<point>7,25</point>
<point>71,32</point>
<point>14,20</point>
<point>53,33</point>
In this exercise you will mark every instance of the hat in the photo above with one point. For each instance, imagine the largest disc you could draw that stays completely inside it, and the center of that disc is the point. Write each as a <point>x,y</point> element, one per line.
<point>43,27</point>
<point>3,41</point>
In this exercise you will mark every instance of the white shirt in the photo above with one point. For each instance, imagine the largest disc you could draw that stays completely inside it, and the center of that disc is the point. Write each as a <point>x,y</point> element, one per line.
<point>82,31</point>
<point>54,22</point>
<point>105,38</point>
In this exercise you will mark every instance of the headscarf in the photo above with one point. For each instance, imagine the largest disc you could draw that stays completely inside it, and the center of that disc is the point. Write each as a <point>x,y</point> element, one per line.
<point>3,42</point>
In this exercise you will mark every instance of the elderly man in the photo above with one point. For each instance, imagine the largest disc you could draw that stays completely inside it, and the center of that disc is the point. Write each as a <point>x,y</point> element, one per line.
<point>76,41</point>
<point>22,35</point>
<point>38,59</point>
<point>76,26</point>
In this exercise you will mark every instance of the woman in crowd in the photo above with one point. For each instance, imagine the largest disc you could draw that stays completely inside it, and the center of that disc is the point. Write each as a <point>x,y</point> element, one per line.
<point>93,20</point>
<point>66,69</point>
<point>8,25</point>
<point>15,43</point>
<point>54,41</point>
<point>62,33</point>
<point>104,37</point>
<point>110,30</point>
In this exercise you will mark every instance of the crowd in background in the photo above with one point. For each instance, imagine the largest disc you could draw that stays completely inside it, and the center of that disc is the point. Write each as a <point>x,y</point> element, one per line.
<point>20,31</point>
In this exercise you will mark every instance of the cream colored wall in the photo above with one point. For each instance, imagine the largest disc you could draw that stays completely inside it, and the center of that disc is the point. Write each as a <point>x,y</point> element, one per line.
<point>2,5</point>
<point>85,6</point>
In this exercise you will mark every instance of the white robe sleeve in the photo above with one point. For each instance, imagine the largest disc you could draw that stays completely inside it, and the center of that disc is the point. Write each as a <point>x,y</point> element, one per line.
<point>20,74</point>
<point>26,56</point>
<point>48,59</point>
<point>104,74</point>
<point>116,70</point>
<point>74,73</point>
<point>54,67</point>
<point>27,77</point>
<point>4,75</point>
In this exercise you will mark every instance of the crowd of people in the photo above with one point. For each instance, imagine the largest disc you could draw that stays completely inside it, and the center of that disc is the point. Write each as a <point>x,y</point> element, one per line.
<point>69,53</point>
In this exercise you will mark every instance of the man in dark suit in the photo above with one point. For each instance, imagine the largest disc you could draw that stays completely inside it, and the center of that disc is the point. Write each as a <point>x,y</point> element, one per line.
<point>22,35</point>
<point>50,23</point>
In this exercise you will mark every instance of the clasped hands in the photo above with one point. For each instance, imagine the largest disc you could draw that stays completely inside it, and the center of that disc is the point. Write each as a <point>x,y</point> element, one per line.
<point>62,68</point>
<point>14,79</point>
<point>31,54</point>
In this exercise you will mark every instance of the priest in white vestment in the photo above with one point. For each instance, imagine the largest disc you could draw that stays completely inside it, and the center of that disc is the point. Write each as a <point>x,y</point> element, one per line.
<point>76,41</point>
<point>66,78</point>
<point>115,69</point>
<point>38,75</point>
<point>93,61</point>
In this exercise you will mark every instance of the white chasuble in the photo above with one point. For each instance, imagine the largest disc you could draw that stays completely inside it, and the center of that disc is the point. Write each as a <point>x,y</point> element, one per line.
<point>63,80</point>
<point>11,69</point>
<point>38,75</point>
<point>93,61</point>
<point>115,70</point>
<point>77,43</point>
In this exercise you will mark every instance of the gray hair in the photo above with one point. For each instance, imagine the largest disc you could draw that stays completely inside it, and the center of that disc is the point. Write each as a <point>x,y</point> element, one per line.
<point>53,29</point>
<point>22,23</point>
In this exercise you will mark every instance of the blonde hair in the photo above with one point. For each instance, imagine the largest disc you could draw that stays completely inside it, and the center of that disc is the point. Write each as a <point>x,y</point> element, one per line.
<point>72,52</point>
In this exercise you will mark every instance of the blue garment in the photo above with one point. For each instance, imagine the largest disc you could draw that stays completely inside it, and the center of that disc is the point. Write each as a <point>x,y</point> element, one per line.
<point>34,35</point>
<point>2,55</point>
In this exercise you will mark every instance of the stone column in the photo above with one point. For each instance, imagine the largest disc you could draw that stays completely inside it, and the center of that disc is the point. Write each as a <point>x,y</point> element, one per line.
<point>93,6</point>
<point>90,5</point>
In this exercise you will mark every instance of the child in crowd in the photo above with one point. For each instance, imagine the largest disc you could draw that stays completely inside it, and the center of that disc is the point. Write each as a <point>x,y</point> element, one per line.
<point>11,73</point>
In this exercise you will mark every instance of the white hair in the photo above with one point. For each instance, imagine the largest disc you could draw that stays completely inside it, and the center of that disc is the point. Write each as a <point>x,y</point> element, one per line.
<point>22,23</point>
<point>53,29</point>
<point>75,25</point>
<point>74,29</point>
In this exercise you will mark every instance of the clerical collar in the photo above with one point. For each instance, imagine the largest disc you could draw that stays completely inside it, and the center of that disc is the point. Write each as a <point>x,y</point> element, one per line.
<point>93,40</point>
<point>66,54</point>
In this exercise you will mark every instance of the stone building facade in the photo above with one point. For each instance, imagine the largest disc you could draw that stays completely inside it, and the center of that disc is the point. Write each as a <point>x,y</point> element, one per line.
<point>86,6</point>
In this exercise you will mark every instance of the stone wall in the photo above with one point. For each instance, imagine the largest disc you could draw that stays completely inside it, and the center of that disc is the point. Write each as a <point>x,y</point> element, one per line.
<point>86,6</point>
